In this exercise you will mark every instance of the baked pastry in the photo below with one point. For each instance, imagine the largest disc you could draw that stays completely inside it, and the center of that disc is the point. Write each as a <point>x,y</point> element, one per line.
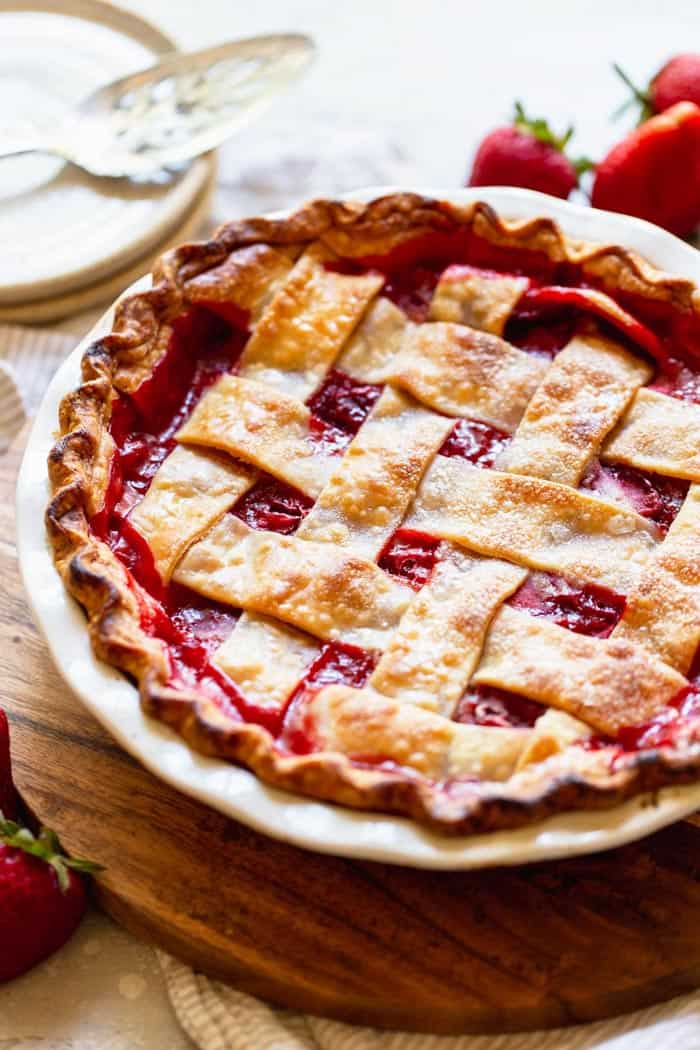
<point>398,505</point>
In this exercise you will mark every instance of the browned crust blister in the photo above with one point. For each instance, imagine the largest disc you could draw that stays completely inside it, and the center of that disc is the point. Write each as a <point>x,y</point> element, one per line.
<point>79,469</point>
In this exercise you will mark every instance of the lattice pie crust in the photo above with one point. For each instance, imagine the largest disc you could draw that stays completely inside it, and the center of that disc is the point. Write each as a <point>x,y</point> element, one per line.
<point>393,744</point>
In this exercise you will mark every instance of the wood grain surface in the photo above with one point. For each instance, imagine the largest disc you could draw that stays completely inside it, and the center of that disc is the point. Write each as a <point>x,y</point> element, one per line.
<point>530,947</point>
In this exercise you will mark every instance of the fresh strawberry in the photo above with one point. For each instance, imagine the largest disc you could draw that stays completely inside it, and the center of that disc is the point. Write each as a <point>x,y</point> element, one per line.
<point>654,172</point>
<point>41,899</point>
<point>8,795</point>
<point>527,153</point>
<point>677,81</point>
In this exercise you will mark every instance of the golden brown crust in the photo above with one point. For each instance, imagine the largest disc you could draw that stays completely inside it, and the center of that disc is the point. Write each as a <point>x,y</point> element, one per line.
<point>186,497</point>
<point>461,297</point>
<point>535,523</point>
<point>249,276</point>
<point>79,469</point>
<point>369,491</point>
<point>660,434</point>
<point>582,396</point>
<point>320,588</point>
<point>460,371</point>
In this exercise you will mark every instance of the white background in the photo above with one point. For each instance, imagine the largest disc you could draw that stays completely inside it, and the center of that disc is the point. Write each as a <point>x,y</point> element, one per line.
<point>439,73</point>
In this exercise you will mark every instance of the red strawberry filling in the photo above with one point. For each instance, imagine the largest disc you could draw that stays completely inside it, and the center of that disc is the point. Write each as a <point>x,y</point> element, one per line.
<point>344,402</point>
<point>410,555</point>
<point>336,664</point>
<point>673,725</point>
<point>651,495</point>
<point>487,706</point>
<point>536,302</point>
<point>476,442</point>
<point>587,609</point>
<point>274,506</point>
<point>536,334</point>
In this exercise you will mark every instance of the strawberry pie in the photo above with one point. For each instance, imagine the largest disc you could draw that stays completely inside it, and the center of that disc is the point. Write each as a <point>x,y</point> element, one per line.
<point>395,504</point>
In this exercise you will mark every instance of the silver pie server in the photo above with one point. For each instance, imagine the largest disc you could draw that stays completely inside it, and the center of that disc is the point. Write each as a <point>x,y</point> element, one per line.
<point>185,105</point>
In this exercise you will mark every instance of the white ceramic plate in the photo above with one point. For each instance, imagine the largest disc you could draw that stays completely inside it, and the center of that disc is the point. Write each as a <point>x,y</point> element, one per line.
<point>236,792</point>
<point>61,228</point>
<point>89,296</point>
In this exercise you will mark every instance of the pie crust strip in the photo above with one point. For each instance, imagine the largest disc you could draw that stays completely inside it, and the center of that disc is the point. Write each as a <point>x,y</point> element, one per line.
<point>535,523</point>
<point>552,733</point>
<point>375,342</point>
<point>662,612</point>
<point>262,427</point>
<point>468,296</point>
<point>583,394</point>
<point>660,434</point>
<point>265,658</point>
<point>432,655</point>
<point>372,486</point>
<point>608,683</point>
<point>246,279</point>
<point>466,373</point>
<point>316,587</point>
<point>189,492</point>
<point>304,327</point>
<point>366,725</point>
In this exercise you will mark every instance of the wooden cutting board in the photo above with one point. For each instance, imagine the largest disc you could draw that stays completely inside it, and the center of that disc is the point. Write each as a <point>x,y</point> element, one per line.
<point>530,947</point>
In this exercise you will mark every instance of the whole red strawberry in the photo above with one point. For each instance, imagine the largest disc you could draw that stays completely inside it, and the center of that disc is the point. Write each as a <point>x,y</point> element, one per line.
<point>41,899</point>
<point>677,81</point>
<point>654,172</point>
<point>527,153</point>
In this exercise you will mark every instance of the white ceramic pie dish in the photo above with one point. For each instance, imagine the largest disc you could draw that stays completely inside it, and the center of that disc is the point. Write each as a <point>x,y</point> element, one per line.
<point>237,792</point>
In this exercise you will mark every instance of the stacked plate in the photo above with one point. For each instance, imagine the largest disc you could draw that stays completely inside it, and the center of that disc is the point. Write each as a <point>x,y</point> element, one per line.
<point>71,240</point>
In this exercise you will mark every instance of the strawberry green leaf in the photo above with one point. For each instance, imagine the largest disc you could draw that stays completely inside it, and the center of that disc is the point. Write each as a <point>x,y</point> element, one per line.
<point>640,97</point>
<point>540,129</point>
<point>88,867</point>
<point>583,164</point>
<point>45,846</point>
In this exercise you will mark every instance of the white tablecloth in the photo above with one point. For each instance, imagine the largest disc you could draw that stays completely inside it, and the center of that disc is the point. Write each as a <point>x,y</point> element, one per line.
<point>107,991</point>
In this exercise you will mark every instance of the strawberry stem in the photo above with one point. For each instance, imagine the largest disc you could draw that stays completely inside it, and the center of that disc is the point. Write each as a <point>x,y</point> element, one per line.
<point>583,164</point>
<point>540,129</point>
<point>45,846</point>
<point>642,98</point>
